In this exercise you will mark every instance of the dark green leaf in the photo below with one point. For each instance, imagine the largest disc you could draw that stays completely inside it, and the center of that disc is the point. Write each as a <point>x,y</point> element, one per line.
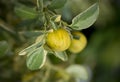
<point>56,4</point>
<point>77,37</point>
<point>26,23</point>
<point>3,47</point>
<point>61,55</point>
<point>25,12</point>
<point>36,58</point>
<point>30,34</point>
<point>86,18</point>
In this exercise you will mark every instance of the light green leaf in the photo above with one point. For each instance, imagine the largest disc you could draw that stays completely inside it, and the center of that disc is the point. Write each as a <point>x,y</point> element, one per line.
<point>36,58</point>
<point>78,71</point>
<point>61,55</point>
<point>30,48</point>
<point>48,49</point>
<point>25,12</point>
<point>56,18</point>
<point>86,18</point>
<point>56,4</point>
<point>3,47</point>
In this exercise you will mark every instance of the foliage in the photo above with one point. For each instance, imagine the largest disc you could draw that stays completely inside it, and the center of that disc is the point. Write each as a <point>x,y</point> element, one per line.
<point>25,54</point>
<point>89,15</point>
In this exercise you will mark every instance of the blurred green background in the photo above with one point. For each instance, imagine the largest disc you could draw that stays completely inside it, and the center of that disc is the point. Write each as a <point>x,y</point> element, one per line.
<point>102,54</point>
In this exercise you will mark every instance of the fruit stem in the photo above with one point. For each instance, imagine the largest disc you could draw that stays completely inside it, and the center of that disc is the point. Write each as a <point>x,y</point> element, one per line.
<point>40,5</point>
<point>53,25</point>
<point>62,72</point>
<point>47,74</point>
<point>72,59</point>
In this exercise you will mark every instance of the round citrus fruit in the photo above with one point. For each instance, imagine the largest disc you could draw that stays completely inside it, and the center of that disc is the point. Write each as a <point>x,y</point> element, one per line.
<point>78,42</point>
<point>58,40</point>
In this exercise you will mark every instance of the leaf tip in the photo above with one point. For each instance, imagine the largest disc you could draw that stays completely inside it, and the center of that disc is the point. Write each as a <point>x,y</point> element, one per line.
<point>22,53</point>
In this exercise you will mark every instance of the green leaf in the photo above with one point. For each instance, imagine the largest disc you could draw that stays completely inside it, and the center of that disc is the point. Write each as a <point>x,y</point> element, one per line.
<point>78,71</point>
<point>56,18</point>
<point>36,58</point>
<point>27,23</point>
<point>86,18</point>
<point>61,55</point>
<point>56,4</point>
<point>30,48</point>
<point>25,12</point>
<point>3,47</point>
<point>48,49</point>
<point>30,34</point>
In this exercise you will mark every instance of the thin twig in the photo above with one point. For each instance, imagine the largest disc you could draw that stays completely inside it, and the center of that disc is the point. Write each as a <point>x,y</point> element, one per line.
<point>40,5</point>
<point>62,72</point>
<point>46,76</point>
<point>14,34</point>
<point>5,27</point>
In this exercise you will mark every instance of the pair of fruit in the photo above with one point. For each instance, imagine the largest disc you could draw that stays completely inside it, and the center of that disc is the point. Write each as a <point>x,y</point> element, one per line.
<point>60,40</point>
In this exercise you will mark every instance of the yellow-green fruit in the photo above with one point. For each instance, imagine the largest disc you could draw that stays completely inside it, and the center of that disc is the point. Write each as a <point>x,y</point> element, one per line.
<point>58,40</point>
<point>78,44</point>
